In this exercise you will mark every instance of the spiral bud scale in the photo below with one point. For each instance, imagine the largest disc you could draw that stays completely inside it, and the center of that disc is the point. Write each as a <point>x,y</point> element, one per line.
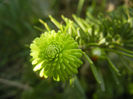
<point>56,55</point>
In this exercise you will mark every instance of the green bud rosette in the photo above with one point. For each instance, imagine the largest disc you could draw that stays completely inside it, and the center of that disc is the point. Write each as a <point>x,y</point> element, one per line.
<point>56,55</point>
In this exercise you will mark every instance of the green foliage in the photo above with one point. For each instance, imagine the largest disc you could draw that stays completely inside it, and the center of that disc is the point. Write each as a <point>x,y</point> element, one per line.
<point>101,35</point>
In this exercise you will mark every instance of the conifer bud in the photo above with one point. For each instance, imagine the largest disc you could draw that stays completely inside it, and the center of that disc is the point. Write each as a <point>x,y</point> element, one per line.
<point>56,55</point>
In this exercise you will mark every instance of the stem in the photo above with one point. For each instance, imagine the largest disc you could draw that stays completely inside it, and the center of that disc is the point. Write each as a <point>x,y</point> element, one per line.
<point>15,84</point>
<point>87,57</point>
<point>119,52</point>
<point>95,72</point>
<point>93,44</point>
<point>45,24</point>
<point>125,50</point>
<point>80,6</point>
<point>113,66</point>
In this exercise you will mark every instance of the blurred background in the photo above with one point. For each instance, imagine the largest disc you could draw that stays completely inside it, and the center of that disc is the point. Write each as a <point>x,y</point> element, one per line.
<point>19,25</point>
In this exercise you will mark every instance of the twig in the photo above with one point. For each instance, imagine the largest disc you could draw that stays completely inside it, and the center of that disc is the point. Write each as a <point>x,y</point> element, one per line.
<point>15,84</point>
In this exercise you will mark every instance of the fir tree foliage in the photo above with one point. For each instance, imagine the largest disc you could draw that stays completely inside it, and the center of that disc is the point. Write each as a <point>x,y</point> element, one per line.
<point>97,37</point>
